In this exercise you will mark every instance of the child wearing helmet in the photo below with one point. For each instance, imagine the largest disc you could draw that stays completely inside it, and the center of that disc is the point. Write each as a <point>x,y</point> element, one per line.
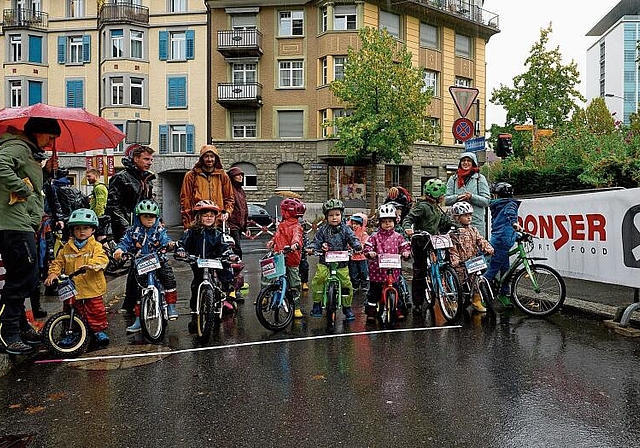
<point>289,233</point>
<point>82,250</point>
<point>358,266</point>
<point>336,235</point>
<point>384,241</point>
<point>504,228</point>
<point>425,215</point>
<point>147,235</point>
<point>303,268</point>
<point>203,239</point>
<point>467,243</point>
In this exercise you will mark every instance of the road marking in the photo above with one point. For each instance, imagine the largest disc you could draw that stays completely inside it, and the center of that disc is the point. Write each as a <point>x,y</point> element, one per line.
<point>245,344</point>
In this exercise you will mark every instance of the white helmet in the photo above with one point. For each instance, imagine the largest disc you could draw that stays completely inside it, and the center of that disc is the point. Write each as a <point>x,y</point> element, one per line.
<point>386,211</point>
<point>461,208</point>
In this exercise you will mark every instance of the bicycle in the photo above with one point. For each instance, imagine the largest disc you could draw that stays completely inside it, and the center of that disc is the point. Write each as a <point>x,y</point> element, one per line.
<point>275,305</point>
<point>474,282</point>
<point>441,282</point>
<point>537,290</point>
<point>388,303</point>
<point>66,334</point>
<point>332,292</point>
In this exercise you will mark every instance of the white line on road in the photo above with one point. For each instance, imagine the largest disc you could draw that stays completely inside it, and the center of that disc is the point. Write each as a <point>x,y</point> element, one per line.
<point>245,344</point>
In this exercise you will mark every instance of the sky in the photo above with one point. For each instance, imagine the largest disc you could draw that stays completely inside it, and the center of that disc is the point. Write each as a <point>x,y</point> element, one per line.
<point>520,24</point>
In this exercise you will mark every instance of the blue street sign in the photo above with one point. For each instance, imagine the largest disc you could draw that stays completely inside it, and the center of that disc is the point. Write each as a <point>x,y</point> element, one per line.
<point>474,144</point>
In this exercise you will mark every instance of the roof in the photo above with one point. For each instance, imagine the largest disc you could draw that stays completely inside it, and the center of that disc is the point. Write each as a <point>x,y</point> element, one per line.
<point>624,8</point>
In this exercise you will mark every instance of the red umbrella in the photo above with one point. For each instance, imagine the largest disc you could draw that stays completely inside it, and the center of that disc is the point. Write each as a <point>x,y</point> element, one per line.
<point>80,130</point>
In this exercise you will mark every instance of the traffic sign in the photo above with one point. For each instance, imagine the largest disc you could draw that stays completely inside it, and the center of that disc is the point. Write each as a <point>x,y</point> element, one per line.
<point>463,97</point>
<point>474,144</point>
<point>462,129</point>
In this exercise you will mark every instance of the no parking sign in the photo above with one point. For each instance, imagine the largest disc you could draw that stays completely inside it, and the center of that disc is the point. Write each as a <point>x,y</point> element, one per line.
<point>462,129</point>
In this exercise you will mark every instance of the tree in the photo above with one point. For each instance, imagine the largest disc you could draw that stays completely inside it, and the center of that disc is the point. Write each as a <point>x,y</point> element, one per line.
<point>388,101</point>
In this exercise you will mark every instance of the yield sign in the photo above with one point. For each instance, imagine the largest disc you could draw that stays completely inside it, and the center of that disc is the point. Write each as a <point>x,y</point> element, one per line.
<point>463,97</point>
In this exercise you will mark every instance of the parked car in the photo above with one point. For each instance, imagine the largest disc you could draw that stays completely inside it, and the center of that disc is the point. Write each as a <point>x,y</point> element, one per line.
<point>259,214</point>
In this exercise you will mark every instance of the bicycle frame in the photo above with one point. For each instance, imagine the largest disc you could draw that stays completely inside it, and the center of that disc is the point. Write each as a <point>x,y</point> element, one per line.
<point>522,259</point>
<point>208,280</point>
<point>391,262</point>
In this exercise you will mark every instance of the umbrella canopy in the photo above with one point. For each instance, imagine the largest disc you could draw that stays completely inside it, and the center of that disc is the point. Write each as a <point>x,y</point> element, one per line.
<point>80,130</point>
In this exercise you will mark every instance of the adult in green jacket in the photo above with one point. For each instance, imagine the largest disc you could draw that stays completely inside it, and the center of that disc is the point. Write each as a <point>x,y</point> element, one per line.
<point>21,209</point>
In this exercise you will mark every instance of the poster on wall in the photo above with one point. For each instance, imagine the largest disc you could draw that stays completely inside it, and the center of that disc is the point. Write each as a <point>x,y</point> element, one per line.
<point>349,184</point>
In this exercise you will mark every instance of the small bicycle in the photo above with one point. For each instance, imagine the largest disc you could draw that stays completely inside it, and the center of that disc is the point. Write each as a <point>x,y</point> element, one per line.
<point>388,303</point>
<point>475,283</point>
<point>332,293</point>
<point>153,308</point>
<point>536,289</point>
<point>275,306</point>
<point>66,334</point>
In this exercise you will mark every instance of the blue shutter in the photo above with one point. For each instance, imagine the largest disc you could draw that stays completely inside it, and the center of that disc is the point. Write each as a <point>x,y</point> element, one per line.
<point>75,93</point>
<point>62,50</point>
<point>191,134</point>
<point>35,92</point>
<point>163,42</point>
<point>177,92</point>
<point>164,139</point>
<point>190,36</point>
<point>35,49</point>
<point>86,48</point>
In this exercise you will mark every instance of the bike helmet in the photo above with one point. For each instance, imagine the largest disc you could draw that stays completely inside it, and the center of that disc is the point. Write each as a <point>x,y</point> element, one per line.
<point>387,211</point>
<point>461,208</point>
<point>206,206</point>
<point>288,206</point>
<point>83,217</point>
<point>147,207</point>
<point>301,208</point>
<point>332,204</point>
<point>502,189</point>
<point>434,188</point>
<point>61,173</point>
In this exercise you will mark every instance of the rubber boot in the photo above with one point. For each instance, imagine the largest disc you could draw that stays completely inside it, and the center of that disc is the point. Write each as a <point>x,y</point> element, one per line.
<point>171,297</point>
<point>476,303</point>
<point>297,314</point>
<point>135,327</point>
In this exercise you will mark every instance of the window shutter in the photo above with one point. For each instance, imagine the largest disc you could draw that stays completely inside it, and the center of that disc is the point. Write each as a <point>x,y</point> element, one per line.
<point>35,92</point>
<point>190,36</point>
<point>164,139</point>
<point>191,134</point>
<point>35,49</point>
<point>86,48</point>
<point>62,50</point>
<point>177,92</point>
<point>163,42</point>
<point>75,94</point>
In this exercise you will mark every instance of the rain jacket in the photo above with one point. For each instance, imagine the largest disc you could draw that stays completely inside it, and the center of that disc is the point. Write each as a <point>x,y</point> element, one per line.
<point>289,233</point>
<point>504,213</point>
<point>143,239</point>
<point>362,235</point>
<point>126,189</point>
<point>467,243</point>
<point>385,242</point>
<point>426,215</point>
<point>19,160</point>
<point>70,258</point>
<point>238,218</point>
<point>339,237</point>
<point>98,198</point>
<point>203,242</point>
<point>199,185</point>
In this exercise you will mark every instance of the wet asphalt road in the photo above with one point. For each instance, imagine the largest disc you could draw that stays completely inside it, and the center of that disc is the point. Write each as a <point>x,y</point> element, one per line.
<point>565,381</point>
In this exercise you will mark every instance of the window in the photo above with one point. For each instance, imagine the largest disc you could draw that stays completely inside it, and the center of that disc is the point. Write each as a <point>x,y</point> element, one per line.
<point>291,23</point>
<point>137,91</point>
<point>15,93</point>
<point>75,50</point>
<point>431,128</point>
<point>462,82</point>
<point>344,17</point>
<point>339,113</point>
<point>463,46</point>
<point>431,82</point>
<point>75,93</point>
<point>243,21</point>
<point>244,73</point>
<point>325,20</point>
<point>35,49</point>
<point>177,92</point>
<point>117,90</point>
<point>177,5</point>
<point>176,45</point>
<point>176,138</point>
<point>250,175</point>
<point>390,22</point>
<point>120,148</point>
<point>290,176</point>
<point>15,42</point>
<point>75,8</point>
<point>291,73</point>
<point>117,43</point>
<point>35,92</point>
<point>338,67</point>
<point>136,44</point>
<point>323,119</point>
<point>243,124</point>
<point>428,36</point>
<point>290,124</point>
<point>324,76</point>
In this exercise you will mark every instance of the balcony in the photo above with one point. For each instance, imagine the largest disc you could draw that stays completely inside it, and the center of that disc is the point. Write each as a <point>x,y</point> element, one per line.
<point>117,13</point>
<point>232,95</point>
<point>234,43</point>
<point>24,18</point>
<point>456,10</point>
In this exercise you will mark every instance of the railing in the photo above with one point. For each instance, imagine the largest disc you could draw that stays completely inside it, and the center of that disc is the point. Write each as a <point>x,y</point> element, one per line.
<point>239,39</point>
<point>123,13</point>
<point>465,10</point>
<point>21,17</point>
<point>250,92</point>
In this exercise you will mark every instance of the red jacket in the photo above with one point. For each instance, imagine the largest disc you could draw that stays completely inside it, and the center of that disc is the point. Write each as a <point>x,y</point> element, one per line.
<point>289,233</point>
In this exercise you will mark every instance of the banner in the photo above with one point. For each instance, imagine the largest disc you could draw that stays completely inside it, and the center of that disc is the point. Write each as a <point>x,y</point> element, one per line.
<point>88,162</point>
<point>591,236</point>
<point>111,166</point>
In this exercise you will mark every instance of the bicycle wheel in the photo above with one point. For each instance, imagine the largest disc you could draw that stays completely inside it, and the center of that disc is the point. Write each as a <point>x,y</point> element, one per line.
<point>430,296</point>
<point>206,318</point>
<point>64,337</point>
<point>332,303</point>
<point>543,300</point>
<point>271,316</point>
<point>390,311</point>
<point>450,295</point>
<point>486,293</point>
<point>151,316</point>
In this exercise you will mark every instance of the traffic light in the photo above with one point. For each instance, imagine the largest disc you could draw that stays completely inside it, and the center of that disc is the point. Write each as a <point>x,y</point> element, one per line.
<point>505,147</point>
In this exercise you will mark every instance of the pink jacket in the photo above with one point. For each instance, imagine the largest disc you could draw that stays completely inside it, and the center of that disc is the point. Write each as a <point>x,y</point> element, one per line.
<point>362,235</point>
<point>385,242</point>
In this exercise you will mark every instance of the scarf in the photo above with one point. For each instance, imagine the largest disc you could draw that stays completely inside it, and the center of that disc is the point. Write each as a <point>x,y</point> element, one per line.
<point>80,244</point>
<point>464,175</point>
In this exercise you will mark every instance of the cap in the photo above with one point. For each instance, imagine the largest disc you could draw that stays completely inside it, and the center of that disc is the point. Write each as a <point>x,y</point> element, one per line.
<point>234,171</point>
<point>42,125</point>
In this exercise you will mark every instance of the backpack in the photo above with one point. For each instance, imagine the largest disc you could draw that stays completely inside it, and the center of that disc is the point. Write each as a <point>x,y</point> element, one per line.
<point>71,199</point>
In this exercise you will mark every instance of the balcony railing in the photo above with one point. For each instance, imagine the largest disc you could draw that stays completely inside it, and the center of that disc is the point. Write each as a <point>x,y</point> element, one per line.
<point>24,18</point>
<point>123,13</point>
<point>240,42</point>
<point>464,10</point>
<point>242,95</point>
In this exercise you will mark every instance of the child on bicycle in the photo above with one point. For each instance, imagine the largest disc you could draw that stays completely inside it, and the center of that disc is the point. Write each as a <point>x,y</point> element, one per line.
<point>205,240</point>
<point>145,236</point>
<point>384,241</point>
<point>289,233</point>
<point>467,243</point>
<point>83,251</point>
<point>425,215</point>
<point>358,266</point>
<point>334,235</point>
<point>504,228</point>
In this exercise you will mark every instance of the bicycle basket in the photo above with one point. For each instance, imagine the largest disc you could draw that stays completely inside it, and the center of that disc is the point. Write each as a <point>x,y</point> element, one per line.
<point>273,267</point>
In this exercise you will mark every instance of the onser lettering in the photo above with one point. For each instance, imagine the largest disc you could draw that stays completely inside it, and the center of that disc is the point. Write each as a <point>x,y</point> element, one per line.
<point>562,228</point>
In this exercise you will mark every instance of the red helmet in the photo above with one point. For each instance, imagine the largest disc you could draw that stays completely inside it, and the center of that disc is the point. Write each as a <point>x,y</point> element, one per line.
<point>288,206</point>
<point>300,208</point>
<point>206,206</point>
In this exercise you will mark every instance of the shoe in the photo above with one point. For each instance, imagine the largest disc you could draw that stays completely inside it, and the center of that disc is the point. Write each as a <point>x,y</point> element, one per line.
<point>135,327</point>
<point>69,339</point>
<point>348,313</point>
<point>298,314</point>
<point>39,314</point>
<point>476,303</point>
<point>18,348</point>
<point>101,338</point>
<point>370,311</point>
<point>316,311</point>
<point>31,337</point>
<point>172,311</point>
<point>239,296</point>
<point>305,286</point>
<point>505,300</point>
<point>399,315</point>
